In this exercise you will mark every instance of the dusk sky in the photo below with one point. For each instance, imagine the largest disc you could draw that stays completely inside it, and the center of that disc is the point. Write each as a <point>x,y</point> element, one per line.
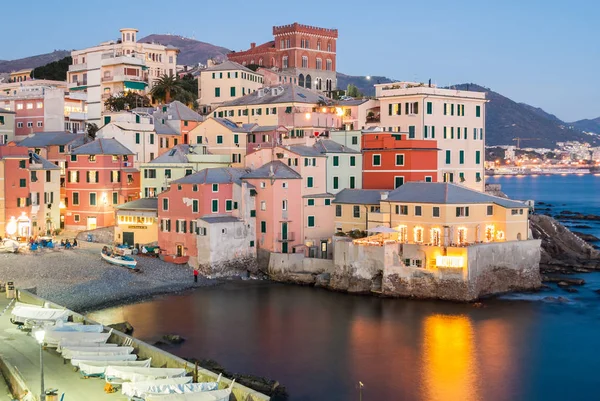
<point>544,53</point>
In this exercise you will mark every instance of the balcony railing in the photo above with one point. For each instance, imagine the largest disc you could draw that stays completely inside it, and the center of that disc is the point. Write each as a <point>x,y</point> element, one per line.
<point>286,237</point>
<point>78,67</point>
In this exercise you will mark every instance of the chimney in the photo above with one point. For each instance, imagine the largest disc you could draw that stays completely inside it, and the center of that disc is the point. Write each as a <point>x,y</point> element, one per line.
<point>384,195</point>
<point>430,82</point>
<point>252,45</point>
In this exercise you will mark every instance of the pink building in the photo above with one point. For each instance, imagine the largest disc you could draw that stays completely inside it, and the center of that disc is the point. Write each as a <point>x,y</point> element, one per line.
<point>207,193</point>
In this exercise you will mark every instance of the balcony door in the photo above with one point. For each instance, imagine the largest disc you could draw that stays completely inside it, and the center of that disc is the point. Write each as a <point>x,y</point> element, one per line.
<point>284,237</point>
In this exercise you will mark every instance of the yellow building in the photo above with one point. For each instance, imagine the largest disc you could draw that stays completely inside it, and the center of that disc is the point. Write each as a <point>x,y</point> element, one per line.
<point>353,208</point>
<point>21,75</point>
<point>137,222</point>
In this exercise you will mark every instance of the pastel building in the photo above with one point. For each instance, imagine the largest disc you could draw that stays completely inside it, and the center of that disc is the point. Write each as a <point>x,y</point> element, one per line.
<point>117,66</point>
<point>15,200</point>
<point>344,165</point>
<point>137,222</point>
<point>21,75</point>
<point>455,119</point>
<point>44,185</point>
<point>306,52</point>
<point>180,161</point>
<point>391,159</point>
<point>219,83</point>
<point>134,131</point>
<point>7,126</point>
<point>352,208</point>
<point>99,177</point>
<point>207,193</point>
<point>359,114</point>
<point>179,118</point>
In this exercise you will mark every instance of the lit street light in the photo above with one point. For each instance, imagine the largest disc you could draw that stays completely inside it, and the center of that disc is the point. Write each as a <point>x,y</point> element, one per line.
<point>39,337</point>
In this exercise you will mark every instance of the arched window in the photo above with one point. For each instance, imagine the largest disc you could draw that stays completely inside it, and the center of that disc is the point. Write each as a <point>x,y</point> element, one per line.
<point>251,61</point>
<point>304,62</point>
<point>128,37</point>
<point>273,62</point>
<point>328,85</point>
<point>329,65</point>
<point>284,62</point>
<point>328,46</point>
<point>260,61</point>
<point>319,64</point>
<point>307,82</point>
<point>318,84</point>
<point>301,80</point>
<point>318,44</point>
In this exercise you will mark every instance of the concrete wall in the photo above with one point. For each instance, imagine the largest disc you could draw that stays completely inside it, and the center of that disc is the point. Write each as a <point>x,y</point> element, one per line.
<point>284,263</point>
<point>159,357</point>
<point>104,235</point>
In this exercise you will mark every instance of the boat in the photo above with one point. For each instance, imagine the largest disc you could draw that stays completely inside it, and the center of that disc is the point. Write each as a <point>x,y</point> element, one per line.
<point>53,338</point>
<point>119,260</point>
<point>32,315</point>
<point>215,395</point>
<point>8,245</point>
<point>139,389</point>
<point>178,260</point>
<point>84,352</point>
<point>120,374</point>
<point>90,368</point>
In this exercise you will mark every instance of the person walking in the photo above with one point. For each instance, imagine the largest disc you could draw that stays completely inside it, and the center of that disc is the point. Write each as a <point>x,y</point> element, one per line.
<point>195,275</point>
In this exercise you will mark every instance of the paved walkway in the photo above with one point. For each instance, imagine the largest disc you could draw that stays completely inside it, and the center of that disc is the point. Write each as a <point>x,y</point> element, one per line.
<point>4,391</point>
<point>21,350</point>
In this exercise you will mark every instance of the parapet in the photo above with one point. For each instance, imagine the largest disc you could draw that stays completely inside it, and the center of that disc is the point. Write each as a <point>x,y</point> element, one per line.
<point>296,27</point>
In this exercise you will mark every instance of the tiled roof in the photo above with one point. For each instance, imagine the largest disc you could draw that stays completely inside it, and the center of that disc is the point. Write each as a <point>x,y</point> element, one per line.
<point>329,146</point>
<point>229,66</point>
<point>177,154</point>
<point>445,193</point>
<point>4,111</point>
<point>287,93</point>
<point>177,111</point>
<point>163,129</point>
<point>219,175</point>
<point>220,219</point>
<point>102,146</point>
<point>44,164</point>
<point>137,127</point>
<point>140,204</point>
<point>42,139</point>
<point>303,150</point>
<point>274,169</point>
<point>359,196</point>
<point>351,102</point>
<point>230,125</point>
<point>325,195</point>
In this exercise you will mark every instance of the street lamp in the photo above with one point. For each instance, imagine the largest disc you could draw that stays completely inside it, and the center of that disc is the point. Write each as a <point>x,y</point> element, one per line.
<point>39,337</point>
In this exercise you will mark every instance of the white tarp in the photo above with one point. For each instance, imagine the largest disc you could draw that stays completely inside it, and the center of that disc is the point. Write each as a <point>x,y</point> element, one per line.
<point>217,395</point>
<point>84,328</point>
<point>53,338</point>
<point>139,389</point>
<point>72,344</point>
<point>23,312</point>
<point>99,358</point>
<point>134,374</point>
<point>83,352</point>
<point>97,368</point>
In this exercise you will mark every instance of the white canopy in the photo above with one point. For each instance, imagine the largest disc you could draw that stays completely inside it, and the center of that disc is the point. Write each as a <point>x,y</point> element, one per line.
<point>216,395</point>
<point>71,344</point>
<point>88,328</point>
<point>97,368</point>
<point>99,358</point>
<point>382,229</point>
<point>24,313</point>
<point>139,389</point>
<point>83,352</point>
<point>53,338</point>
<point>135,374</point>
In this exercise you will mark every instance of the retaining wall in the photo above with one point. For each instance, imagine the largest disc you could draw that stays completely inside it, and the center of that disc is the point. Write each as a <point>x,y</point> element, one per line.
<point>104,235</point>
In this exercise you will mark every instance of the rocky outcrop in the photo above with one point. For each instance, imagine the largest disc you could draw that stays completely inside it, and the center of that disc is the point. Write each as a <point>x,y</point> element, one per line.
<point>231,267</point>
<point>562,250</point>
<point>123,327</point>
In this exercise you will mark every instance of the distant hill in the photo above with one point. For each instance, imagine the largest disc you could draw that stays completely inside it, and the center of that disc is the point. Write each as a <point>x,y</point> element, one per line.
<point>192,51</point>
<point>587,125</point>
<point>33,61</point>
<point>361,82</point>
<point>507,119</point>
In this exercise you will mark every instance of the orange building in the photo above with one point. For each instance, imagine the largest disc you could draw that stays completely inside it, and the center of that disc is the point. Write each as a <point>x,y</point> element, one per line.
<point>100,175</point>
<point>15,202</point>
<point>390,159</point>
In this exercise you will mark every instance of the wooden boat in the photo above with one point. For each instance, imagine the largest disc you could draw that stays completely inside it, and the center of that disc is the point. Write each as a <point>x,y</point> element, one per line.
<point>8,246</point>
<point>178,260</point>
<point>119,260</point>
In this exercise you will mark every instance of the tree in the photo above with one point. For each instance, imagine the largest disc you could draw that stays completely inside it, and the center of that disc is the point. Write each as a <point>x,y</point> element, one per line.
<point>92,130</point>
<point>56,71</point>
<point>353,91</point>
<point>166,88</point>
<point>126,100</point>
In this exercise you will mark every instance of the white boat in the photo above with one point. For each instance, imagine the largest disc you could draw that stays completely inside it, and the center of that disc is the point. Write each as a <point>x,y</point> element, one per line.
<point>74,343</point>
<point>36,315</point>
<point>105,358</point>
<point>140,389</point>
<point>8,245</point>
<point>125,261</point>
<point>83,352</point>
<point>216,395</point>
<point>119,374</point>
<point>97,368</point>
<point>53,338</point>
<point>83,328</point>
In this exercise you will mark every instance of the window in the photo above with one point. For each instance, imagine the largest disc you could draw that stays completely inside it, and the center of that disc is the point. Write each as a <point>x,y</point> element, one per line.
<point>336,161</point>
<point>462,211</point>
<point>327,202</point>
<point>461,176</point>
<point>490,210</point>
<point>411,132</point>
<point>29,106</point>
<point>477,157</point>
<point>329,65</point>
<point>336,182</point>
<point>428,178</point>
<point>352,182</point>
<point>417,210</point>
<point>199,139</point>
<point>514,211</point>
<point>195,206</point>
<point>48,176</point>
<point>189,171</point>
<point>115,198</point>
<point>76,218</point>
<point>19,125</point>
<point>376,160</point>
<point>217,92</point>
<point>40,124</point>
<point>399,160</point>
<point>448,158</point>
<point>461,156</point>
<point>115,176</point>
<point>219,139</point>
<point>478,177</point>
<point>310,202</point>
<point>29,124</point>
<point>263,227</point>
<point>477,111</point>
<point>356,211</point>
<point>92,199</point>
<point>429,108</point>
<point>165,204</point>
<point>436,211</point>
<point>319,64</point>
<point>215,206</point>
<point>304,62</point>
<point>352,161</point>
<point>309,182</point>
<point>137,138</point>
<point>311,221</point>
<point>338,210</point>
<point>75,198</point>
<point>402,210</point>
<point>23,182</point>
<point>284,62</point>
<point>398,182</point>
<point>215,187</point>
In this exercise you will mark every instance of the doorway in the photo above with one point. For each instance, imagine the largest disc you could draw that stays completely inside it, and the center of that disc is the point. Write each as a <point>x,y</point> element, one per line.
<point>91,223</point>
<point>323,249</point>
<point>179,250</point>
<point>128,238</point>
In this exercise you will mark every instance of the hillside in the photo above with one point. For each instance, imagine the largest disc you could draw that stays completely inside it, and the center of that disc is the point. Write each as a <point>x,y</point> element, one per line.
<point>587,125</point>
<point>192,51</point>
<point>507,119</point>
<point>33,61</point>
<point>361,82</point>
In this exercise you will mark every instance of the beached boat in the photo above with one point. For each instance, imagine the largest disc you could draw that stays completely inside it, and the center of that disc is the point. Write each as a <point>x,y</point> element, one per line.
<point>8,245</point>
<point>178,260</point>
<point>119,260</point>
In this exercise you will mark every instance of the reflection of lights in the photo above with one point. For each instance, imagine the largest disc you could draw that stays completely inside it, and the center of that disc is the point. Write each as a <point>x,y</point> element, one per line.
<point>450,261</point>
<point>462,235</point>
<point>62,205</point>
<point>324,109</point>
<point>104,199</point>
<point>490,229</point>
<point>418,234</point>
<point>500,234</point>
<point>339,111</point>
<point>39,336</point>
<point>307,116</point>
<point>11,226</point>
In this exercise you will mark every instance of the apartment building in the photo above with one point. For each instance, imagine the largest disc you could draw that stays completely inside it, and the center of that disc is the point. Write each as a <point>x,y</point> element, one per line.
<point>455,119</point>
<point>44,186</point>
<point>174,118</point>
<point>7,126</point>
<point>352,208</point>
<point>117,66</point>
<point>15,200</point>
<point>133,130</point>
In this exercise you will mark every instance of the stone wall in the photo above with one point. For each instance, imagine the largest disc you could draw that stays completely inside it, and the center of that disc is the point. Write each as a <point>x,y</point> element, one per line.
<point>296,268</point>
<point>104,235</point>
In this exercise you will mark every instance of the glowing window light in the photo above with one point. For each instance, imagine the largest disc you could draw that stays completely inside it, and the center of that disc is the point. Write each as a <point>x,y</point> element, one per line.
<point>489,232</point>
<point>418,234</point>
<point>450,261</point>
<point>500,235</point>
<point>436,235</point>
<point>462,235</point>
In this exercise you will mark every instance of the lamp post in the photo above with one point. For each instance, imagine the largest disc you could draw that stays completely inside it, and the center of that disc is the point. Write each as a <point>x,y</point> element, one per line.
<point>39,336</point>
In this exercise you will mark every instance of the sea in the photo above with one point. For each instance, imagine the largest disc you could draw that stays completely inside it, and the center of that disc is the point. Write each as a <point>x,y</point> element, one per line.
<point>324,345</point>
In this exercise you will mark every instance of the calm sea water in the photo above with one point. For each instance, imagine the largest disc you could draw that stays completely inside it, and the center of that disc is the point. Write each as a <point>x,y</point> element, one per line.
<point>320,344</point>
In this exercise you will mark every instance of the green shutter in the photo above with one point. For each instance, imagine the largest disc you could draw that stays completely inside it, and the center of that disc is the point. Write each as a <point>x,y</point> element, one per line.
<point>137,137</point>
<point>215,205</point>
<point>311,221</point>
<point>263,227</point>
<point>432,132</point>
<point>311,202</point>
<point>352,182</point>
<point>429,108</point>
<point>447,157</point>
<point>411,132</point>
<point>445,133</point>
<point>232,91</point>
<point>336,161</point>
<point>217,92</point>
<point>390,109</point>
<point>461,157</point>
<point>477,111</point>
<point>327,202</point>
<point>352,160</point>
<point>477,157</point>
<point>106,120</point>
<point>309,182</point>
<point>335,182</point>
<point>236,138</point>
<point>426,132</point>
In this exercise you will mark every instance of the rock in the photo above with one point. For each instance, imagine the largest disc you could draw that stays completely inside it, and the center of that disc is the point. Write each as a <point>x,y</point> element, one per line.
<point>580,226</point>
<point>563,284</point>
<point>586,237</point>
<point>478,305</point>
<point>173,339</point>
<point>567,212</point>
<point>567,281</point>
<point>123,327</point>
<point>160,343</point>
<point>570,289</point>
<point>322,280</point>
<point>597,291</point>
<point>563,299</point>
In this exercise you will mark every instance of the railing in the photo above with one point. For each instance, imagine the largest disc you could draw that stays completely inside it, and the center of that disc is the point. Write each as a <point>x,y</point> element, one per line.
<point>78,67</point>
<point>285,237</point>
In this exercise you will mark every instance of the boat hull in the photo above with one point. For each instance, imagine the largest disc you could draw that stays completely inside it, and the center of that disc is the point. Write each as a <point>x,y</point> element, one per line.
<point>178,260</point>
<point>131,264</point>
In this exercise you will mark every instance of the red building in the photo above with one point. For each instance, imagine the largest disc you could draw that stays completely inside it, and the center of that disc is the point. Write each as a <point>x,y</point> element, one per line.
<point>307,51</point>
<point>390,160</point>
<point>207,193</point>
<point>15,201</point>
<point>100,175</point>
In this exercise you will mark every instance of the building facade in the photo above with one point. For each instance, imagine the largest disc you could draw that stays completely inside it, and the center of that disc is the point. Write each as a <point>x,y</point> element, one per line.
<point>15,200</point>
<point>45,195</point>
<point>352,208</point>
<point>137,222</point>
<point>7,126</point>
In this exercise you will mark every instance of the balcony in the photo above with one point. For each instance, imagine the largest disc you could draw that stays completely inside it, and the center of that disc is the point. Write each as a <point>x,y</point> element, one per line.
<point>106,96</point>
<point>78,67</point>
<point>286,237</point>
<point>77,85</point>
<point>110,59</point>
<point>122,78</point>
<point>78,116</point>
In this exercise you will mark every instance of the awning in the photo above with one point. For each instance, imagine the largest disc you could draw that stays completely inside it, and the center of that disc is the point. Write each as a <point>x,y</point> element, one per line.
<point>382,229</point>
<point>78,88</point>
<point>135,85</point>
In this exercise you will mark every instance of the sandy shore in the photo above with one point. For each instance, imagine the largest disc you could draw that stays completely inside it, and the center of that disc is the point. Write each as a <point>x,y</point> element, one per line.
<point>81,281</point>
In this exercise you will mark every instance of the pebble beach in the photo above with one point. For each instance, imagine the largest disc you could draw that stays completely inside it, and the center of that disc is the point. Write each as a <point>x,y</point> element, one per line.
<point>81,281</point>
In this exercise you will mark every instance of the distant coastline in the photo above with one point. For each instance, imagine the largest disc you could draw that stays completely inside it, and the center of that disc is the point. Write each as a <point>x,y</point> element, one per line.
<point>538,171</point>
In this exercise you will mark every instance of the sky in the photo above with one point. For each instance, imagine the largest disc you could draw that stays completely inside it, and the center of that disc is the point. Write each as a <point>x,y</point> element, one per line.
<point>544,53</point>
